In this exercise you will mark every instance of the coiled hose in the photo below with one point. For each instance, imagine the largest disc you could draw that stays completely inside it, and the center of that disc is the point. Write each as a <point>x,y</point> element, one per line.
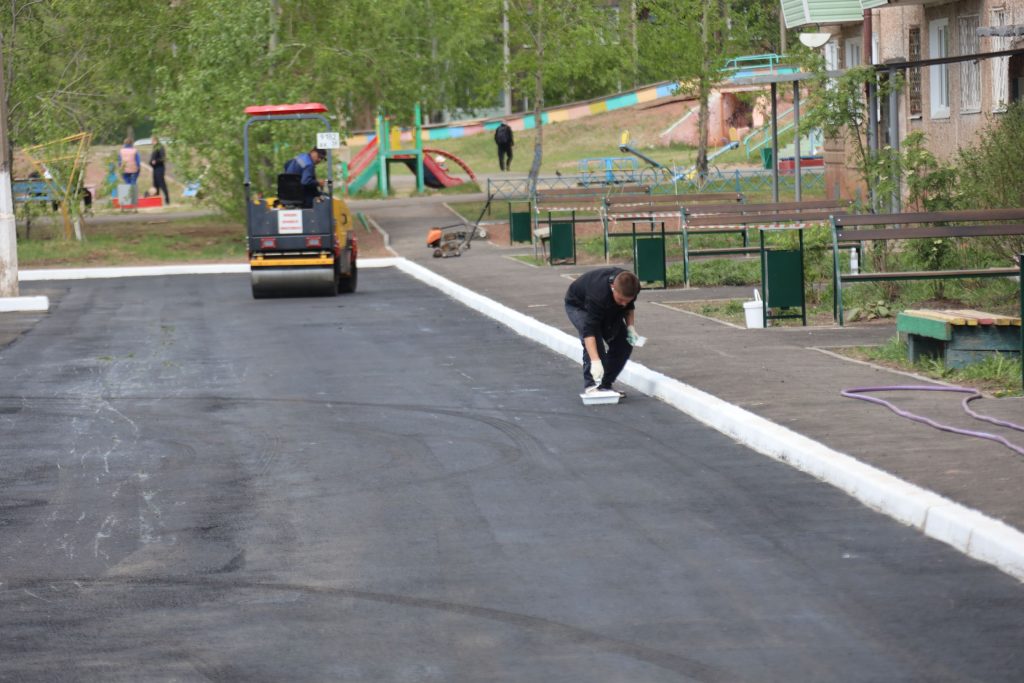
<point>859,393</point>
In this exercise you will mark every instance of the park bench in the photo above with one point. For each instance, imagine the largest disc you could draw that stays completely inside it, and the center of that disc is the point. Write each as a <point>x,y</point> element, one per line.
<point>26,191</point>
<point>958,337</point>
<point>849,229</point>
<point>724,219</point>
<point>653,209</point>
<point>582,204</point>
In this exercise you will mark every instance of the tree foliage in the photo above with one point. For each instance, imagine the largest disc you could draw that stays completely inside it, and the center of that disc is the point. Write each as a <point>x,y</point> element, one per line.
<point>189,67</point>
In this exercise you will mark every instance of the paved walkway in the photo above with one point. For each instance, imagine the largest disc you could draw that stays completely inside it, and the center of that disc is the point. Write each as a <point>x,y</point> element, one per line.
<point>785,375</point>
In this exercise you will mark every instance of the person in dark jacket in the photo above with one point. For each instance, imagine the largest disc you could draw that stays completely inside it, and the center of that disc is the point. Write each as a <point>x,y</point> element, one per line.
<point>601,306</point>
<point>157,160</point>
<point>504,139</point>
<point>304,165</point>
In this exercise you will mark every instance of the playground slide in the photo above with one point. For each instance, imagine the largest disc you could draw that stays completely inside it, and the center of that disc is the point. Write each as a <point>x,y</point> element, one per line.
<point>363,167</point>
<point>433,175</point>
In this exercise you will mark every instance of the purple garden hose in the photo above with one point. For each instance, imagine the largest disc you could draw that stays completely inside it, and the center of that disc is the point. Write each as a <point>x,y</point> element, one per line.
<point>857,391</point>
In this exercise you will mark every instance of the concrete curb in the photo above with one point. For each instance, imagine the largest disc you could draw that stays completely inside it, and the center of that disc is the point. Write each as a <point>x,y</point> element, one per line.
<point>967,530</point>
<point>21,304</point>
<point>155,271</point>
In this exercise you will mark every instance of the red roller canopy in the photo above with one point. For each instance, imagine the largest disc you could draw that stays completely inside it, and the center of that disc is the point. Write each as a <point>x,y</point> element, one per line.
<point>269,109</point>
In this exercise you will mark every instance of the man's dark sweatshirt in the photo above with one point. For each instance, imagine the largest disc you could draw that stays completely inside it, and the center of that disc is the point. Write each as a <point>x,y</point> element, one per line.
<point>592,292</point>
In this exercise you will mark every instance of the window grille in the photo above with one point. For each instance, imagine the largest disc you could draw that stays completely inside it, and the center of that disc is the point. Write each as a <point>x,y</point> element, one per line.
<point>970,72</point>
<point>1000,66</point>
<point>914,74</point>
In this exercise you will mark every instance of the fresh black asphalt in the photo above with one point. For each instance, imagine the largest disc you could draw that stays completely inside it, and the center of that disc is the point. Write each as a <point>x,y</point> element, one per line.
<point>198,486</point>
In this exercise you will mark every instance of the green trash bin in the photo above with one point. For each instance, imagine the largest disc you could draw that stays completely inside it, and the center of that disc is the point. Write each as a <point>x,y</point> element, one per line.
<point>520,227</point>
<point>562,246</point>
<point>649,259</point>
<point>766,157</point>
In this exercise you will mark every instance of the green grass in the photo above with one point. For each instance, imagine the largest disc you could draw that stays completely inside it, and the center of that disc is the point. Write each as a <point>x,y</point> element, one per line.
<point>172,241</point>
<point>997,374</point>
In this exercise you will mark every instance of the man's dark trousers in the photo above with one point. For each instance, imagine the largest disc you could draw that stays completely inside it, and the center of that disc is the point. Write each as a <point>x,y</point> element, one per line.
<point>613,359</point>
<point>505,157</point>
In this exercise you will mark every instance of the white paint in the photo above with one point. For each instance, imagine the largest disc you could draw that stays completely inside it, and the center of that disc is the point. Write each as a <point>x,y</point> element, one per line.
<point>13,304</point>
<point>8,238</point>
<point>157,271</point>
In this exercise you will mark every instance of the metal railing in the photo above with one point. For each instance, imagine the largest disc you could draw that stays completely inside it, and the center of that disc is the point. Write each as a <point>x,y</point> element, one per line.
<point>661,182</point>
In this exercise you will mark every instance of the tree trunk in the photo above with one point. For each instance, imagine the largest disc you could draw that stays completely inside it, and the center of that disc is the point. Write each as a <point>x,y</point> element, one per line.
<point>538,101</point>
<point>703,93</point>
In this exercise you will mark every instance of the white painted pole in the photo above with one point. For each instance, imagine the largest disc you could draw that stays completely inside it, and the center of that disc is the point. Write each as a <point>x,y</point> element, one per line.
<point>8,232</point>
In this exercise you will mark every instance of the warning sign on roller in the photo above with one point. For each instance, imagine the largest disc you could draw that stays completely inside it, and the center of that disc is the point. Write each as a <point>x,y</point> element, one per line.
<point>289,222</point>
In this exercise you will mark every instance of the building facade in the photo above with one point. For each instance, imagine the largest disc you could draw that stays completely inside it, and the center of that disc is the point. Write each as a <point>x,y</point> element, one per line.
<point>950,103</point>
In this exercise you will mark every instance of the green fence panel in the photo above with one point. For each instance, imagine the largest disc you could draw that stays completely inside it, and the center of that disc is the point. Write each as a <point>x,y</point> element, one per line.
<point>562,246</point>
<point>649,259</point>
<point>520,226</point>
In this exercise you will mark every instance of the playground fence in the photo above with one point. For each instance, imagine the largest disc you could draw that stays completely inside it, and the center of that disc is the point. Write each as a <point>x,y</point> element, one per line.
<point>746,181</point>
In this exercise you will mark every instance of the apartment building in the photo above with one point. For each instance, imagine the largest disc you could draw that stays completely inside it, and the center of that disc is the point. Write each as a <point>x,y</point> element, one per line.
<point>951,102</point>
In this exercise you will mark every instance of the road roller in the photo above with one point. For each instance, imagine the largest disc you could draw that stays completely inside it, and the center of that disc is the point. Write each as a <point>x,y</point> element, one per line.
<point>298,245</point>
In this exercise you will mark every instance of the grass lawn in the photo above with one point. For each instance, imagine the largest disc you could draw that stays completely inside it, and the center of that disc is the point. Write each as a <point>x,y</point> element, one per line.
<point>150,240</point>
<point>998,375</point>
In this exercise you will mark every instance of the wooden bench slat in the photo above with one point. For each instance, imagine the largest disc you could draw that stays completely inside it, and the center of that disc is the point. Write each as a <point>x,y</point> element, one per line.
<point>931,217</point>
<point>942,316</point>
<point>983,230</point>
<point>985,318</point>
<point>760,218</point>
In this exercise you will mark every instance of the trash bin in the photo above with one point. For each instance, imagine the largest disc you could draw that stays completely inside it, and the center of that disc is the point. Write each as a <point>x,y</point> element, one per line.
<point>754,311</point>
<point>766,157</point>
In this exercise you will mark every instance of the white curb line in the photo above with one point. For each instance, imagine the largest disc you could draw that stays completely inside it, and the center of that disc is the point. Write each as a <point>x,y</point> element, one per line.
<point>969,531</point>
<point>154,271</point>
<point>12,304</point>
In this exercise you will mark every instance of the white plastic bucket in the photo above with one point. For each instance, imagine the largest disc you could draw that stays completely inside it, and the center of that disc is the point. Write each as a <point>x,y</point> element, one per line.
<point>754,311</point>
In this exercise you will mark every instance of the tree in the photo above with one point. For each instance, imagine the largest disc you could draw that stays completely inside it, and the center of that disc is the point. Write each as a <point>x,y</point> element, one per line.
<point>689,41</point>
<point>564,46</point>
<point>839,108</point>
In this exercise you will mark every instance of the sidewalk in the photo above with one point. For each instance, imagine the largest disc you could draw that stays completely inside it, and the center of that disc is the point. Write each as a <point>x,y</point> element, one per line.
<point>785,375</point>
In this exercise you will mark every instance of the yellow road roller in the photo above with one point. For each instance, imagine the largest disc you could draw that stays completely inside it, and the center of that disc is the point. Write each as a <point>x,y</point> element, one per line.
<point>299,243</point>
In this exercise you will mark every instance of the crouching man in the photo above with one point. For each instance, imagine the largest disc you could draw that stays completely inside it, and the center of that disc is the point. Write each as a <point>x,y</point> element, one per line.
<point>600,305</point>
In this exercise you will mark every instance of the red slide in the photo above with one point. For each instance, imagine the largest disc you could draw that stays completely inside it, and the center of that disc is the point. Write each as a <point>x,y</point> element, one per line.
<point>433,174</point>
<point>448,155</point>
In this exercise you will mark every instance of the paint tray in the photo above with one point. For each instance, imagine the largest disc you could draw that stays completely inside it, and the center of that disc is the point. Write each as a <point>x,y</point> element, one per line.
<point>597,398</point>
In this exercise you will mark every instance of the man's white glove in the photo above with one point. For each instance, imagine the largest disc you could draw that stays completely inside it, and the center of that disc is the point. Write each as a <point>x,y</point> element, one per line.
<point>597,371</point>
<point>633,338</point>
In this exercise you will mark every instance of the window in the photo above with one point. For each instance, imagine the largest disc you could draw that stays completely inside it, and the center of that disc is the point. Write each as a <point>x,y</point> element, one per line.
<point>938,75</point>
<point>914,74</point>
<point>831,56</point>
<point>970,72</point>
<point>852,47</point>
<point>1000,66</point>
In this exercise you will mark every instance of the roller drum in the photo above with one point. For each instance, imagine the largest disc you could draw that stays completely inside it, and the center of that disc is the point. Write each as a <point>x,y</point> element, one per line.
<point>274,282</point>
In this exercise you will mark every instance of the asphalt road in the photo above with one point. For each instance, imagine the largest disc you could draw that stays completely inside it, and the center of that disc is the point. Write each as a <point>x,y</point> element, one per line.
<point>197,486</point>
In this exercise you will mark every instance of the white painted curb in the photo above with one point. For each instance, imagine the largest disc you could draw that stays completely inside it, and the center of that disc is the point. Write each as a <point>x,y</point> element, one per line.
<point>967,530</point>
<point>12,304</point>
<point>155,271</point>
